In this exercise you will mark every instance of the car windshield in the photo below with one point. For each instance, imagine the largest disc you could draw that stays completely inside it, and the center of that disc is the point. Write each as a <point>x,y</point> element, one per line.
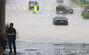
<point>61,18</point>
<point>33,2</point>
<point>68,7</point>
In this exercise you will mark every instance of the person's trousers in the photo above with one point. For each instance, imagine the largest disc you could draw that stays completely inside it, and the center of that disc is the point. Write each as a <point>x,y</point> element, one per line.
<point>12,43</point>
<point>3,43</point>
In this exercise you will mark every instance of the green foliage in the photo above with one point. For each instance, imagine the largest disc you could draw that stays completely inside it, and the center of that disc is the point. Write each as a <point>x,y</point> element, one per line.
<point>78,2</point>
<point>85,15</point>
<point>6,26</point>
<point>74,1</point>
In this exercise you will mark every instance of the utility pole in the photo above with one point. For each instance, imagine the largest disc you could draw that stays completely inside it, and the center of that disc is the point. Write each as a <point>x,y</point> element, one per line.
<point>2,21</point>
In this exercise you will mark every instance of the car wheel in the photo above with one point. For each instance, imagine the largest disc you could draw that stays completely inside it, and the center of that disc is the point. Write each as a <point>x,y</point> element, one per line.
<point>66,24</point>
<point>71,12</point>
<point>54,23</point>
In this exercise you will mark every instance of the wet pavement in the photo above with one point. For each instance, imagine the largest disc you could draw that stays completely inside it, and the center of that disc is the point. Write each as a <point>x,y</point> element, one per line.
<point>45,48</point>
<point>32,48</point>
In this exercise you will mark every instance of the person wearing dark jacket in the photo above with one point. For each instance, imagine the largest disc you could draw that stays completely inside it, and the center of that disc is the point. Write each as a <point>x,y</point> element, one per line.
<point>11,32</point>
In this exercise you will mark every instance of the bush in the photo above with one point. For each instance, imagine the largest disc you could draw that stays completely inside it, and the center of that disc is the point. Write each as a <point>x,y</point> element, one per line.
<point>75,1</point>
<point>6,26</point>
<point>78,2</point>
<point>85,15</point>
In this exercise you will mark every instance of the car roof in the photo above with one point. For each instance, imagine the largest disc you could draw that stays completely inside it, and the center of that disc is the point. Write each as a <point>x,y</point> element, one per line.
<point>64,6</point>
<point>34,2</point>
<point>61,18</point>
<point>68,7</point>
<point>60,6</point>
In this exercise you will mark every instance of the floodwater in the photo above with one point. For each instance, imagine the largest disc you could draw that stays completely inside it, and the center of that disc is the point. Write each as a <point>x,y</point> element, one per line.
<point>40,33</point>
<point>39,27</point>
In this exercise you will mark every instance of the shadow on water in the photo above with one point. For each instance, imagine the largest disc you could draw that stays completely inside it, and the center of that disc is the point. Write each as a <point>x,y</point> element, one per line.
<point>60,25</point>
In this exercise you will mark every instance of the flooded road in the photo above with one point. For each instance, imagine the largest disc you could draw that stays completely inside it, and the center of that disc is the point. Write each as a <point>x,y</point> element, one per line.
<point>40,27</point>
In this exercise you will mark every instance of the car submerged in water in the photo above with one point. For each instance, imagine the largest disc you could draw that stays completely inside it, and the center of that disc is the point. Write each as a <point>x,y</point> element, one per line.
<point>63,9</point>
<point>59,1</point>
<point>60,20</point>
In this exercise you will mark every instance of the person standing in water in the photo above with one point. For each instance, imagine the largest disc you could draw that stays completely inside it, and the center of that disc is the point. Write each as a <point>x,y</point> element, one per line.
<point>35,9</point>
<point>11,32</point>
